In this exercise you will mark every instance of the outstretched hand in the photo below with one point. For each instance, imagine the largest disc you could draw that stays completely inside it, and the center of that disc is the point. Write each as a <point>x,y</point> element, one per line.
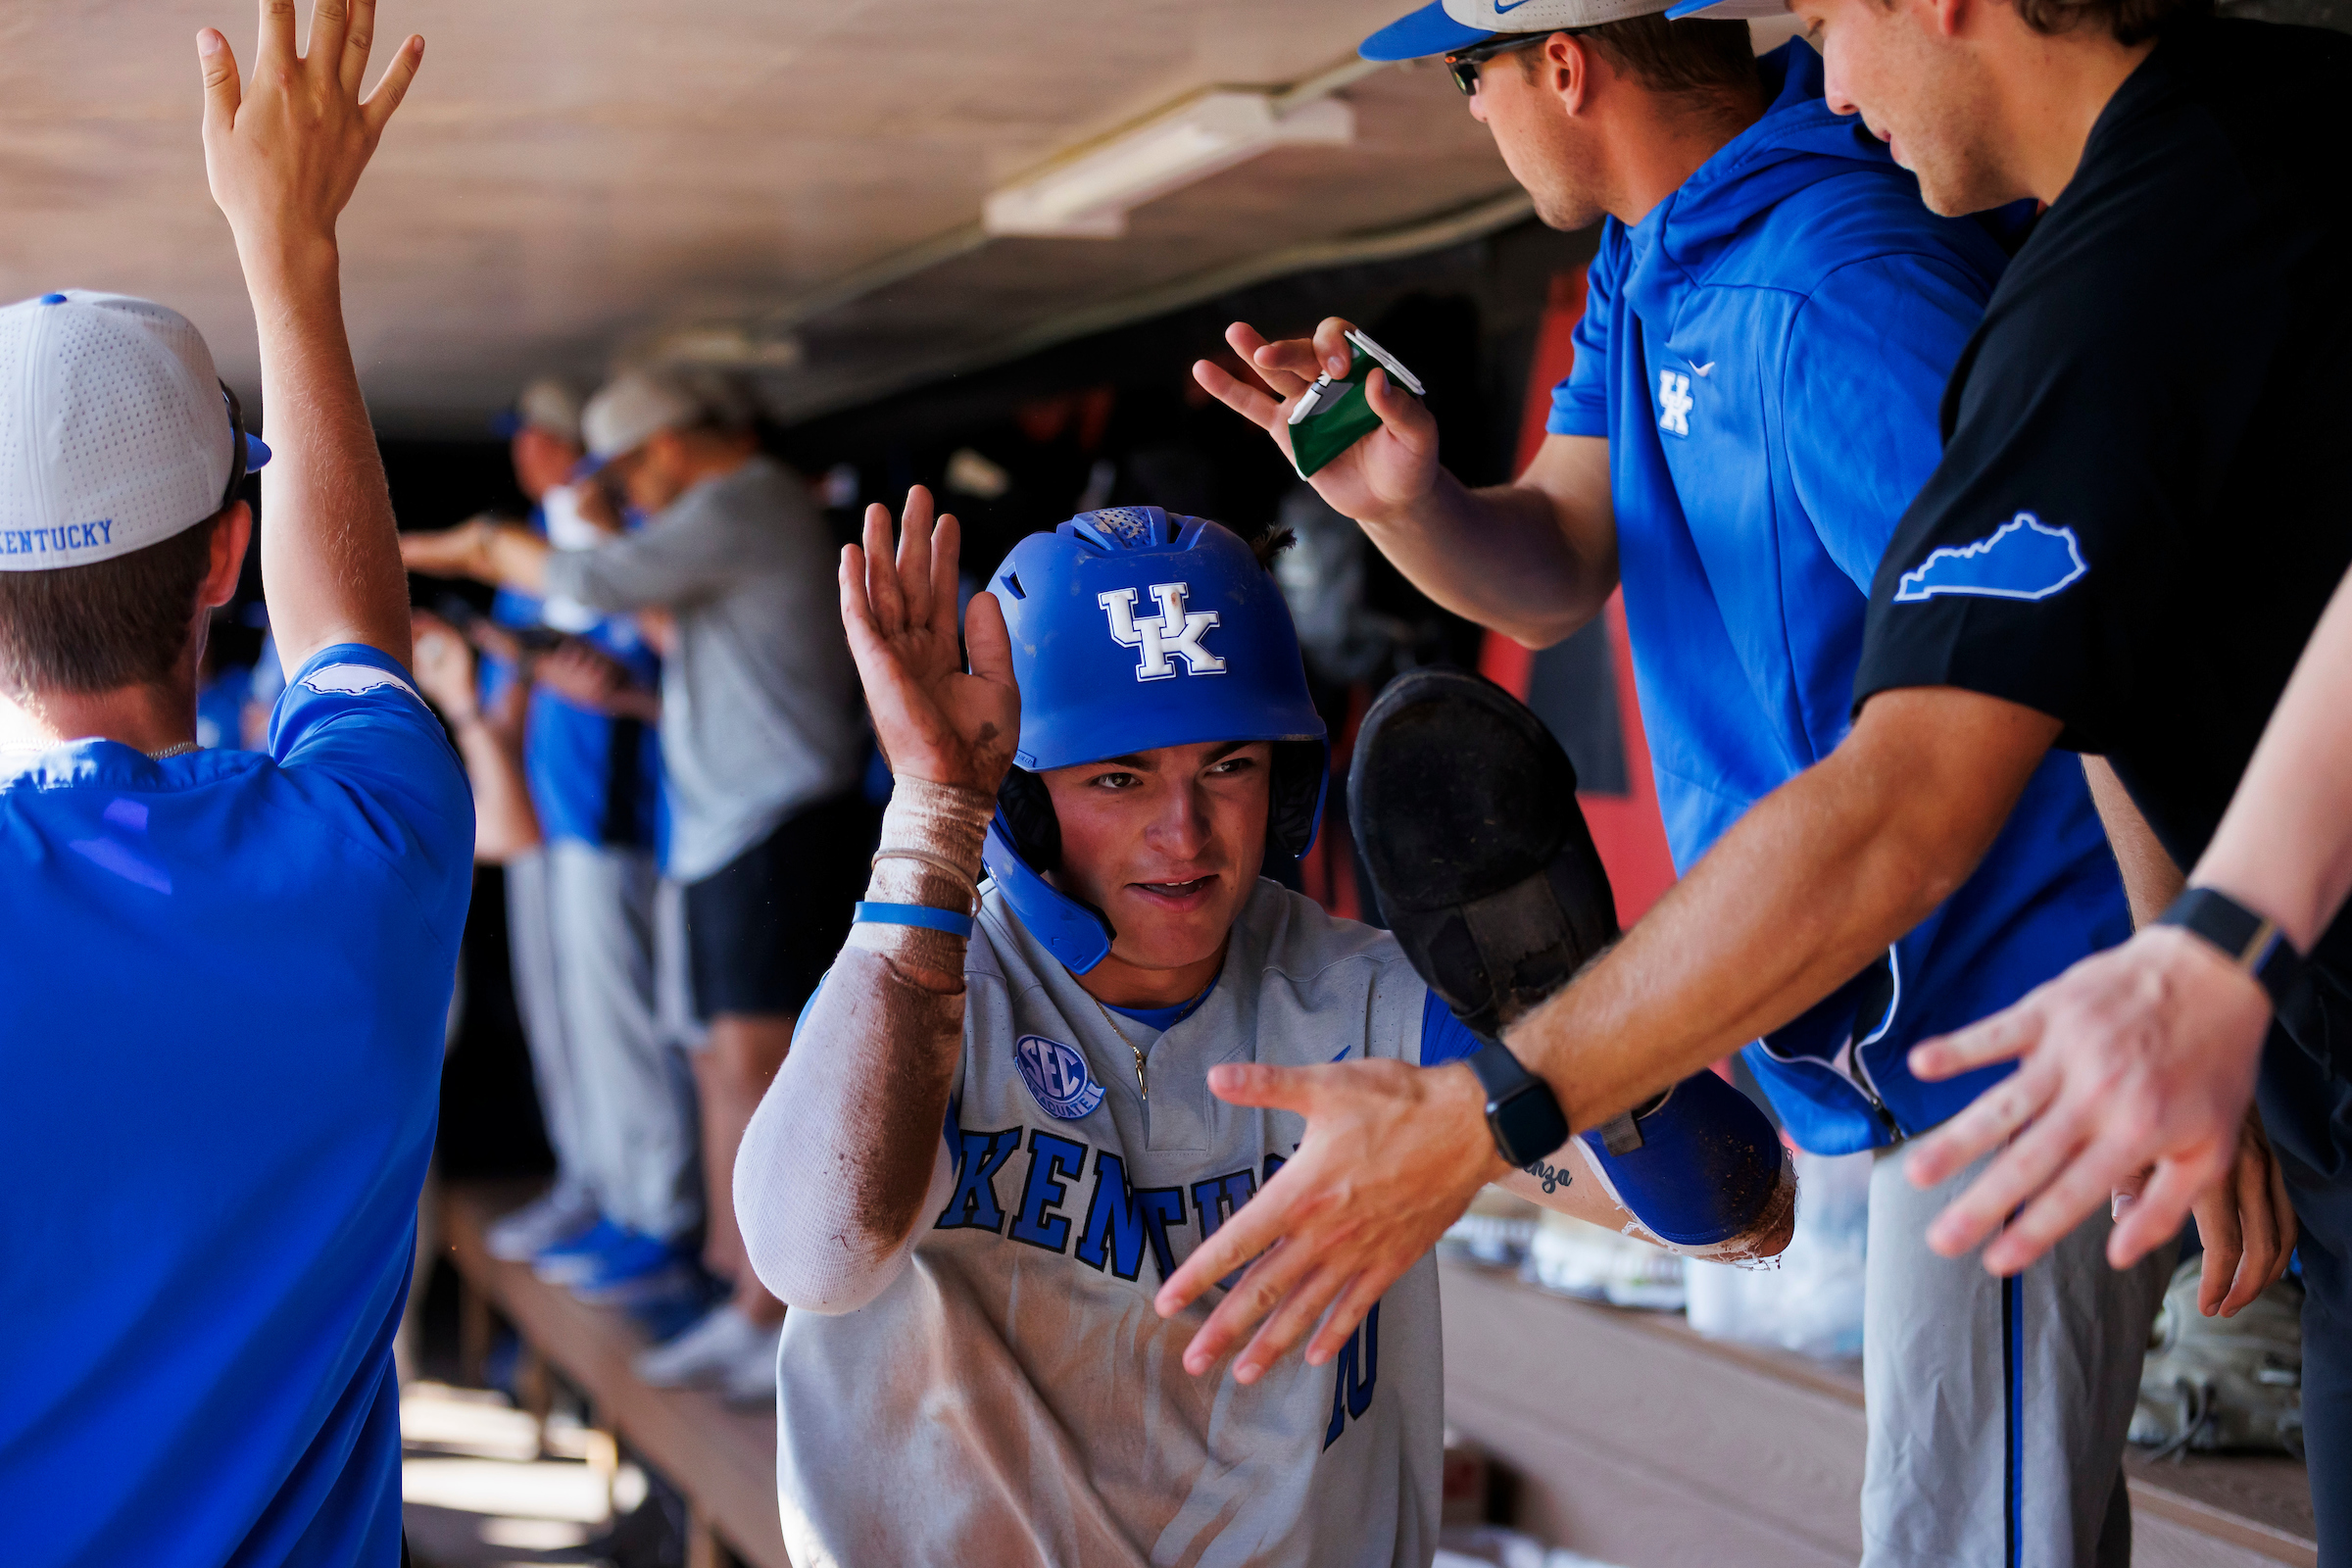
<point>1390,469</point>
<point>444,667</point>
<point>284,154</point>
<point>462,551</point>
<point>1393,1156</point>
<point>2136,1066</point>
<point>934,722</point>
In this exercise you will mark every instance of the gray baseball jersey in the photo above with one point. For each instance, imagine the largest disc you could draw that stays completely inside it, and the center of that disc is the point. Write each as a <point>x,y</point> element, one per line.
<point>1012,1397</point>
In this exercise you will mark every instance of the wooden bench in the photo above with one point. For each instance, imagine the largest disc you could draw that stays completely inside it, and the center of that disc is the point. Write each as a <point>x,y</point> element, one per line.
<point>721,1460</point>
<point>1635,1440</point>
<point>1630,1438</point>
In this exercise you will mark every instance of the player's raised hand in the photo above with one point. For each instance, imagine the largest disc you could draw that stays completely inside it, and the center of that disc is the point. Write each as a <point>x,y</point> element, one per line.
<point>1389,470</point>
<point>284,153</point>
<point>1393,1156</point>
<point>934,720</point>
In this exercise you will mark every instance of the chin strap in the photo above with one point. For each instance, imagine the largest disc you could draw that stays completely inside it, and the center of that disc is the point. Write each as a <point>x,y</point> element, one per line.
<point>1076,934</point>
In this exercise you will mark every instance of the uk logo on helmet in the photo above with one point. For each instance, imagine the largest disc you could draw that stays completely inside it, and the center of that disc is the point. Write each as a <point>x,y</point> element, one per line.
<point>1176,634</point>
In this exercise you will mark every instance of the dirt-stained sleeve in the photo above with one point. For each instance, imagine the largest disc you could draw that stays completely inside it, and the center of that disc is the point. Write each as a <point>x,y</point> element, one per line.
<point>845,1154</point>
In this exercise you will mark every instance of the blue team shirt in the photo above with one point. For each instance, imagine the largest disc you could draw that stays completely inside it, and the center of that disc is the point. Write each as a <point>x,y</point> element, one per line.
<point>228,986</point>
<point>1765,353</point>
<point>592,778</point>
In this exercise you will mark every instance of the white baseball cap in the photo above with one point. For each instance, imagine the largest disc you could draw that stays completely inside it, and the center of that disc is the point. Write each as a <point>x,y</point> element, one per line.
<point>1446,26</point>
<point>636,406</point>
<point>115,430</point>
<point>550,404</point>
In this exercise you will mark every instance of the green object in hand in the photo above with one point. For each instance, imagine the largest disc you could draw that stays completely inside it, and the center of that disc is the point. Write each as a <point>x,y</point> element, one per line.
<point>1333,415</point>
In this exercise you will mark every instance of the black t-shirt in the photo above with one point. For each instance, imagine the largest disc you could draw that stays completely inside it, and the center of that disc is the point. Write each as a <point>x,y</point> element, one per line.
<point>2145,497</point>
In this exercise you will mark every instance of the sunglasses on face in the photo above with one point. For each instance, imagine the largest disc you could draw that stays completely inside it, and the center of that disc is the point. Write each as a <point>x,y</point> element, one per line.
<point>1464,64</point>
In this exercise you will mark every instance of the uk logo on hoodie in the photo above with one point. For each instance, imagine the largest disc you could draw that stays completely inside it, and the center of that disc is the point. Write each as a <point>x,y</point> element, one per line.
<point>1674,403</point>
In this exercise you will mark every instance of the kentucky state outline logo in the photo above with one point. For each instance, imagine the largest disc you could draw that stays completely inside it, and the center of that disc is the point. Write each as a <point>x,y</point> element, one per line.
<point>1176,633</point>
<point>350,680</point>
<point>2023,560</point>
<point>1674,401</point>
<point>1057,1077</point>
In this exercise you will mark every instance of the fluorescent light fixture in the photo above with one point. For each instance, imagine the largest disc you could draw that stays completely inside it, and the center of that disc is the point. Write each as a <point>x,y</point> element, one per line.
<point>1089,193</point>
<point>726,347</point>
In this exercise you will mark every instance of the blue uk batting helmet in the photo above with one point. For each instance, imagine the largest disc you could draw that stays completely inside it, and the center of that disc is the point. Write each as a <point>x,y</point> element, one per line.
<point>1133,629</point>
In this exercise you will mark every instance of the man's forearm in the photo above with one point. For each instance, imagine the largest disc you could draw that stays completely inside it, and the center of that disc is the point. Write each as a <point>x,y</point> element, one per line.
<point>2284,846</point>
<point>1794,900</point>
<point>640,703</point>
<point>845,1153</point>
<point>2152,881</point>
<point>330,561</point>
<point>504,822</point>
<point>516,559</point>
<point>1502,557</point>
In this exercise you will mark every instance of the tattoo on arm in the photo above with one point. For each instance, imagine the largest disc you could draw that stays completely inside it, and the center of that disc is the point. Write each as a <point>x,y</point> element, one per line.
<point>1554,1177</point>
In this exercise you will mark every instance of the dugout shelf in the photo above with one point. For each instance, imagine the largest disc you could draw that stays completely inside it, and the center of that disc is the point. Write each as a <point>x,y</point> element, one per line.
<point>722,1460</point>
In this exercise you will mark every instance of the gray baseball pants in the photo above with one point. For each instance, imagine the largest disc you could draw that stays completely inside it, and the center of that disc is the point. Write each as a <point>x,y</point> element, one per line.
<point>531,954</point>
<point>1997,1408</point>
<point>632,1094</point>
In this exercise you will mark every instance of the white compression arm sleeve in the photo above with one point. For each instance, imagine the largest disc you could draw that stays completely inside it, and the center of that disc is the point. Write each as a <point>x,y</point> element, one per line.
<point>847,1155</point>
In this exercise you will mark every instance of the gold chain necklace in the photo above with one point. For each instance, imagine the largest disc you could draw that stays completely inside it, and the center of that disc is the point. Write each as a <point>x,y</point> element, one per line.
<point>1141,1091</point>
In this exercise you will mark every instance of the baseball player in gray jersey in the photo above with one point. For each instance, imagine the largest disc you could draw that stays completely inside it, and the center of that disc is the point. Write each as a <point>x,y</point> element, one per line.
<point>993,1136</point>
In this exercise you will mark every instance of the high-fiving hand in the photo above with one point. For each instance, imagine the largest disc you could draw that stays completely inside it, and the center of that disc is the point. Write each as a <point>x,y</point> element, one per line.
<point>933,720</point>
<point>284,154</point>
<point>2137,1068</point>
<point>1392,1154</point>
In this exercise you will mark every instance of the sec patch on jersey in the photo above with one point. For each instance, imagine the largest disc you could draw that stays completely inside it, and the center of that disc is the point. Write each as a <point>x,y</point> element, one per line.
<point>1057,1076</point>
<point>2023,559</point>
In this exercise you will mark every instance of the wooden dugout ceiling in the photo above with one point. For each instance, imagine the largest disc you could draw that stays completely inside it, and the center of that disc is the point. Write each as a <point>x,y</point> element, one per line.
<point>572,183</point>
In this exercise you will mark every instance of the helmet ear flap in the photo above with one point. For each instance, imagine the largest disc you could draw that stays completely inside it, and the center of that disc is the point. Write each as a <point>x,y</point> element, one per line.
<point>1028,809</point>
<point>1295,809</point>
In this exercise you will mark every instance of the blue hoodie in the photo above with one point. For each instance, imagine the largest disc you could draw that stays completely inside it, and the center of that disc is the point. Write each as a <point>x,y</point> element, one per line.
<point>1765,353</point>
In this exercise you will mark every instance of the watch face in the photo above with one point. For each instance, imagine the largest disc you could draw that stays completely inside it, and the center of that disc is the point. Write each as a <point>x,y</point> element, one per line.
<point>1528,1124</point>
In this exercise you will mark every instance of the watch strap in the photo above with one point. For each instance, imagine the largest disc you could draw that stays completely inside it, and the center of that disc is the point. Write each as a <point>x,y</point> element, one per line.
<point>1498,1071</point>
<point>1518,1099</point>
<point>2252,942</point>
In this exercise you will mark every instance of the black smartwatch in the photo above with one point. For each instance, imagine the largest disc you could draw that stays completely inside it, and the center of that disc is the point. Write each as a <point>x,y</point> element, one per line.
<point>1522,1111</point>
<point>2251,941</point>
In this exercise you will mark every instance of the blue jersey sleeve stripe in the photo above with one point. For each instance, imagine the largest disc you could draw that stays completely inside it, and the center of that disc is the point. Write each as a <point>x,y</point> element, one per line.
<point>1444,1038</point>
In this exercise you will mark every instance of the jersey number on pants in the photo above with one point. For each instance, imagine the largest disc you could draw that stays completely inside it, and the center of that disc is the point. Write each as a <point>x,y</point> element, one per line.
<point>1354,1372</point>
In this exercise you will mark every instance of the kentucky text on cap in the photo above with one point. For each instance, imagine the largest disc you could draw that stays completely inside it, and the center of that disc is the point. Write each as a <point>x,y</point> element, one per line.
<point>114,432</point>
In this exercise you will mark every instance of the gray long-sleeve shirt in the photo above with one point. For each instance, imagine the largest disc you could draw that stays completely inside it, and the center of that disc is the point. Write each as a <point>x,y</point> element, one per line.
<point>760,698</point>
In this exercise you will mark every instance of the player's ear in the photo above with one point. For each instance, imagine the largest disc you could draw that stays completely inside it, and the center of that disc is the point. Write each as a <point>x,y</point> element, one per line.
<point>1566,70</point>
<point>232,533</point>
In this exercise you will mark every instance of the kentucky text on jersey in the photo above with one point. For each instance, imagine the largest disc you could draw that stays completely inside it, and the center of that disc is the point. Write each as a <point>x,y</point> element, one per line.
<point>1119,1220</point>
